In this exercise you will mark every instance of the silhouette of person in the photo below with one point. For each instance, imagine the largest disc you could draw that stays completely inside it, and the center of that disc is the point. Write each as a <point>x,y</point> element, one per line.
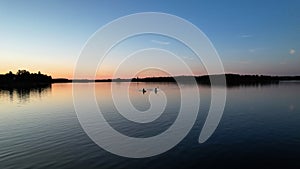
<point>144,91</point>
<point>155,90</point>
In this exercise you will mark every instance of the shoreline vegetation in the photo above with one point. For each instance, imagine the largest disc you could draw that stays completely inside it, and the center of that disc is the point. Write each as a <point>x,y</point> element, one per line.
<point>25,79</point>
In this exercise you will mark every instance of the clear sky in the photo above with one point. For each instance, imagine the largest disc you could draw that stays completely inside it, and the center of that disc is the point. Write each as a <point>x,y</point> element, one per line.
<point>251,36</point>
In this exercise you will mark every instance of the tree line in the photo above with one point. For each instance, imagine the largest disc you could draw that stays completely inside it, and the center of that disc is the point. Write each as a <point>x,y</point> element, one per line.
<point>24,77</point>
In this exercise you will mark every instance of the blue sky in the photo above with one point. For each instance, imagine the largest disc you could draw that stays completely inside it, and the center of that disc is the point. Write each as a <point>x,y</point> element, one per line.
<point>251,37</point>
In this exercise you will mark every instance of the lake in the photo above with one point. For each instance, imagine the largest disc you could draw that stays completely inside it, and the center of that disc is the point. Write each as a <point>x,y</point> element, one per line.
<point>260,128</point>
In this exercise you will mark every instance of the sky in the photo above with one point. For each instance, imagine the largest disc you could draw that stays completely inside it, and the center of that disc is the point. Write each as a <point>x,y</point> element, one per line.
<point>251,36</point>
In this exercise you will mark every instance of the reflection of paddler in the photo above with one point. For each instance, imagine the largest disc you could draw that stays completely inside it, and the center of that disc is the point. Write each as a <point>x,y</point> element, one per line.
<point>155,90</point>
<point>144,91</point>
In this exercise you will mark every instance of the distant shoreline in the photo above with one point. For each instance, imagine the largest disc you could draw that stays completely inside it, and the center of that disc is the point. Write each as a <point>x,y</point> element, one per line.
<point>25,79</point>
<point>205,79</point>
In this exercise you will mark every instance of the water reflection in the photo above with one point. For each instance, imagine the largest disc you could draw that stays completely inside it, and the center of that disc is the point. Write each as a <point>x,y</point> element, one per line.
<point>260,124</point>
<point>23,95</point>
<point>140,100</point>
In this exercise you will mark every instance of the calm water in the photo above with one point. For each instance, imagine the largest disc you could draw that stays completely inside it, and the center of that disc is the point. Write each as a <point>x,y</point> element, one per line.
<point>260,128</point>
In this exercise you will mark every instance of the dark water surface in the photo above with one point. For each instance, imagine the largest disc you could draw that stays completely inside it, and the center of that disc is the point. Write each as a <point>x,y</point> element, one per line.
<point>260,128</point>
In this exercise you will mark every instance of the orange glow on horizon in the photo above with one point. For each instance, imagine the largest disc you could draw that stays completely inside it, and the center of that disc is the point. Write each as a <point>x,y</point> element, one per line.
<point>67,73</point>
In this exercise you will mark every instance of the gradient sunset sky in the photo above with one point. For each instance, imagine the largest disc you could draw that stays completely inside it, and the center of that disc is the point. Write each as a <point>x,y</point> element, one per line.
<point>251,37</point>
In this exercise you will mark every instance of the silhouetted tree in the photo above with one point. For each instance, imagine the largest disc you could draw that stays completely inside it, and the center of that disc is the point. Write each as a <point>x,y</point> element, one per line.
<point>24,78</point>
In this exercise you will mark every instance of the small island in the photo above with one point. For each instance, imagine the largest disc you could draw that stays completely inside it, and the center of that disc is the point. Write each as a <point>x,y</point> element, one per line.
<point>24,79</point>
